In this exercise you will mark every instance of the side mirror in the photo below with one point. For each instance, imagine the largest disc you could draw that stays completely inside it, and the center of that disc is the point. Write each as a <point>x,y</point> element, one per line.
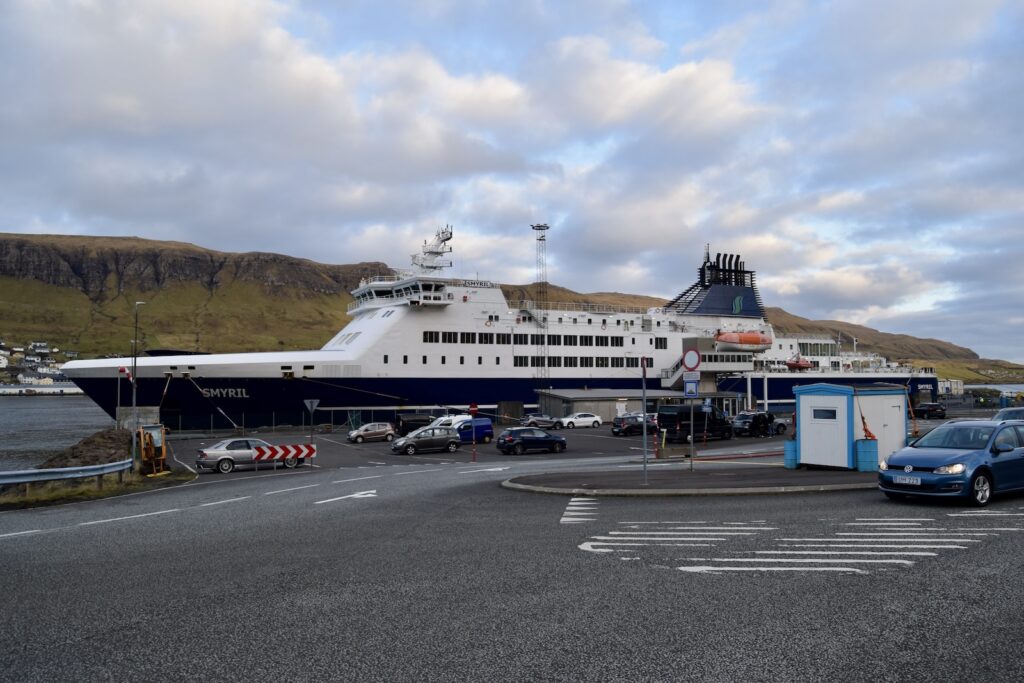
<point>1001,448</point>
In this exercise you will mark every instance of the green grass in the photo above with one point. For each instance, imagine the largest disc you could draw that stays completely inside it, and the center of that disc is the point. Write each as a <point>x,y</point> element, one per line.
<point>236,317</point>
<point>40,494</point>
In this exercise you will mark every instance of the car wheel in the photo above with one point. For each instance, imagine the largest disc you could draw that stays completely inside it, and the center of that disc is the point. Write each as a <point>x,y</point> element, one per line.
<point>225,465</point>
<point>894,496</point>
<point>780,429</point>
<point>981,489</point>
<point>389,437</point>
<point>487,438</point>
<point>518,449</point>
<point>359,439</point>
<point>556,425</point>
<point>596,424</point>
<point>291,461</point>
<point>728,435</point>
<point>558,447</point>
<point>570,425</point>
<point>452,447</point>
<point>410,450</point>
<point>531,424</point>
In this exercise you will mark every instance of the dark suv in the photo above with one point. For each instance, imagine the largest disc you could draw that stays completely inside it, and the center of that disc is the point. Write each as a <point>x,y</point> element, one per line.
<point>624,425</point>
<point>518,440</point>
<point>427,439</point>
<point>930,411</point>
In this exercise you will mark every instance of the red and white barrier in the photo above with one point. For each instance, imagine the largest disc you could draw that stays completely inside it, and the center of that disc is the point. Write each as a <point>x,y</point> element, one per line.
<point>265,453</point>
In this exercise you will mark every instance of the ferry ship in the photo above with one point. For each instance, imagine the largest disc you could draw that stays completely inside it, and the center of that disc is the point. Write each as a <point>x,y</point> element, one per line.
<point>418,341</point>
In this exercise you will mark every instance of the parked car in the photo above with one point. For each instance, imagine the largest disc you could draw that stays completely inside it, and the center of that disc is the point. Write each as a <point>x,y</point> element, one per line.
<point>972,459</point>
<point>580,420</point>
<point>479,429</point>
<point>674,421</point>
<point>540,420</point>
<point>930,411</point>
<point>225,455</point>
<point>427,439</point>
<point>743,423</point>
<point>518,440</point>
<point>1009,414</point>
<point>624,425</point>
<point>372,431</point>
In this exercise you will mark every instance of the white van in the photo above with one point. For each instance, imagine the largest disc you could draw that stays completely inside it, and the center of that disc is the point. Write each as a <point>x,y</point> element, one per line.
<point>450,420</point>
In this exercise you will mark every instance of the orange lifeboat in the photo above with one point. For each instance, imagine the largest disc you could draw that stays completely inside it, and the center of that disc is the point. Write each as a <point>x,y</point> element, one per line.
<point>742,341</point>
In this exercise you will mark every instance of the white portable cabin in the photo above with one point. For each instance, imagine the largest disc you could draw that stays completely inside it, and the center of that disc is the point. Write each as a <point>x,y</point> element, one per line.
<point>830,419</point>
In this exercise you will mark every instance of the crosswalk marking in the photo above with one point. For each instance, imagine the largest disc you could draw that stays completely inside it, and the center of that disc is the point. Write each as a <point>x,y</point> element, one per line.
<point>580,509</point>
<point>874,544</point>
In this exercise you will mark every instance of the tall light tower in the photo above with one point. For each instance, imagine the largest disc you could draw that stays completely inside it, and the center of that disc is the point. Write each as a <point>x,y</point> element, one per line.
<point>135,378</point>
<point>540,310</point>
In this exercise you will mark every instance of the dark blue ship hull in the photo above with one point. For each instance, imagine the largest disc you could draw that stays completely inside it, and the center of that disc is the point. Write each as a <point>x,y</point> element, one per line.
<point>225,403</point>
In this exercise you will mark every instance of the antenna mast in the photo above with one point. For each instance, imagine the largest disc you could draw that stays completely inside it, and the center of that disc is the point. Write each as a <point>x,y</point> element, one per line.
<point>540,317</point>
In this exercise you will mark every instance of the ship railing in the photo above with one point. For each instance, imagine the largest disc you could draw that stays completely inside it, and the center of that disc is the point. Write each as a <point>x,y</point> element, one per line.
<point>529,305</point>
<point>379,279</point>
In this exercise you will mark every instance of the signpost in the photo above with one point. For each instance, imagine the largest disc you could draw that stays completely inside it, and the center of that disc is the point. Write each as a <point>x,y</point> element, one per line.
<point>691,380</point>
<point>311,404</point>
<point>472,428</point>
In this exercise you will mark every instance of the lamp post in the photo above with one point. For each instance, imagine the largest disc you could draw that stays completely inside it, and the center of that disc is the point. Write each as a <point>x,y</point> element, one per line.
<point>135,379</point>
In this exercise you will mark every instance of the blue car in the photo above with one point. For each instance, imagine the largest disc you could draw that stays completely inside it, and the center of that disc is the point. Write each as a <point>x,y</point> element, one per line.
<point>972,459</point>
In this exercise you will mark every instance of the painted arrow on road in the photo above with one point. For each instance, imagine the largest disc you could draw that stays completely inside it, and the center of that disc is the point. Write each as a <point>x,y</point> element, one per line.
<point>489,469</point>
<point>361,494</point>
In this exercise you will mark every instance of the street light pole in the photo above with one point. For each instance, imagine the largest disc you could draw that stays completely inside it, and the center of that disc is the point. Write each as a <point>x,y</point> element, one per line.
<point>135,379</point>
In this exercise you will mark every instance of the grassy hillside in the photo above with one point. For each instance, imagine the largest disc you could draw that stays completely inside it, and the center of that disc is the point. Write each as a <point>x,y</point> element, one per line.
<point>235,317</point>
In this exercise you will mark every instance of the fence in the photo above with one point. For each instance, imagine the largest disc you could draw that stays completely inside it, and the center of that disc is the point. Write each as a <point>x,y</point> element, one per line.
<point>59,473</point>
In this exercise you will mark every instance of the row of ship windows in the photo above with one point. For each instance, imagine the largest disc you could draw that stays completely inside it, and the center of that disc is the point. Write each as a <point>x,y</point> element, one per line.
<point>552,361</point>
<point>527,318</point>
<point>432,337</point>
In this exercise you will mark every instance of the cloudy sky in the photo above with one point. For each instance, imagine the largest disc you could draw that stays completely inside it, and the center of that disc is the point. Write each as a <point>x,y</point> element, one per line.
<point>866,157</point>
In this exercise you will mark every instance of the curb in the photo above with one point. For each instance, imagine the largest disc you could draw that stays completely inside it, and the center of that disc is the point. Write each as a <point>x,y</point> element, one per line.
<point>738,491</point>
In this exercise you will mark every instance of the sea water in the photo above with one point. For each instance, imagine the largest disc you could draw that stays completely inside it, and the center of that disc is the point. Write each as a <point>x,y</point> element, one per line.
<point>33,426</point>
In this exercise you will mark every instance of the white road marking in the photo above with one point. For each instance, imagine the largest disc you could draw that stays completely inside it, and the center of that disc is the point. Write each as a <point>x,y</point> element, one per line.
<point>361,494</point>
<point>886,540</point>
<point>885,524</point>
<point>221,502</point>
<point>842,545</point>
<point>591,546</point>
<point>656,541</point>
<point>294,488</point>
<point>489,469</point>
<point>21,533</point>
<point>398,474</point>
<point>915,534</point>
<point>906,563</point>
<point>986,514</point>
<point>120,519</point>
<point>343,481</point>
<point>374,462</point>
<point>717,570</point>
<point>840,552</point>
<point>683,532</point>
<point>895,519</point>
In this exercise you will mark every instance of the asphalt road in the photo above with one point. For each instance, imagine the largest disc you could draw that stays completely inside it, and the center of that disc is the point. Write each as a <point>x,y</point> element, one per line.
<point>423,568</point>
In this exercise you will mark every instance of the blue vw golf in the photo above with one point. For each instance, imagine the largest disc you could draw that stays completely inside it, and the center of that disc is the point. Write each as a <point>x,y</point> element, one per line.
<point>973,459</point>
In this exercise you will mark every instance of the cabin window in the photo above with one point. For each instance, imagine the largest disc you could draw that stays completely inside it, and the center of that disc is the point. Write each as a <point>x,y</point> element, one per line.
<point>486,337</point>
<point>467,337</point>
<point>520,361</point>
<point>504,338</point>
<point>586,340</point>
<point>618,362</point>
<point>521,339</point>
<point>537,339</point>
<point>424,360</point>
<point>661,342</point>
<point>385,359</point>
<point>497,360</point>
<point>462,360</point>
<point>632,362</point>
<point>601,362</point>
<point>617,341</point>
<point>405,360</point>
<point>569,362</point>
<point>554,340</point>
<point>536,361</point>
<point>443,360</point>
<point>823,413</point>
<point>431,337</point>
<point>586,362</point>
<point>554,361</point>
<point>307,367</point>
<point>569,340</point>
<point>450,337</point>
<point>601,341</point>
<point>479,360</point>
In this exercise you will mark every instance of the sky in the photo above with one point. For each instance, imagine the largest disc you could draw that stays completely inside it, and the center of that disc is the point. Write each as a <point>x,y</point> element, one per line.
<point>865,157</point>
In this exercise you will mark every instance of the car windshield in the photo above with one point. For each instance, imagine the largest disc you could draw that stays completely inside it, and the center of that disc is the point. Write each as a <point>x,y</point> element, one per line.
<point>960,436</point>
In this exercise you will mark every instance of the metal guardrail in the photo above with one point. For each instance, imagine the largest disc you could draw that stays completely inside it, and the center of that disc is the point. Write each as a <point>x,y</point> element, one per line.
<point>54,474</point>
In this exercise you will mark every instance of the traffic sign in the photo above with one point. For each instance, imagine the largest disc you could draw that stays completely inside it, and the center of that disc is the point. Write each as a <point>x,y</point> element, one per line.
<point>690,389</point>
<point>691,359</point>
<point>311,404</point>
<point>691,376</point>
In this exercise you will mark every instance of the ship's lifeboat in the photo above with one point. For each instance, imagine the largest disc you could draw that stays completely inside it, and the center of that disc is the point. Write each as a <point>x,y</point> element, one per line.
<point>798,363</point>
<point>742,341</point>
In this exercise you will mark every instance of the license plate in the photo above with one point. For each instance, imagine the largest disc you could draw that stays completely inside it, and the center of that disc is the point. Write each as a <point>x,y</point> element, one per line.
<point>903,479</point>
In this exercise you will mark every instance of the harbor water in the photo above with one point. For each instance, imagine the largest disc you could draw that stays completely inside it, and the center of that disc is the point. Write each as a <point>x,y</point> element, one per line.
<point>33,426</point>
